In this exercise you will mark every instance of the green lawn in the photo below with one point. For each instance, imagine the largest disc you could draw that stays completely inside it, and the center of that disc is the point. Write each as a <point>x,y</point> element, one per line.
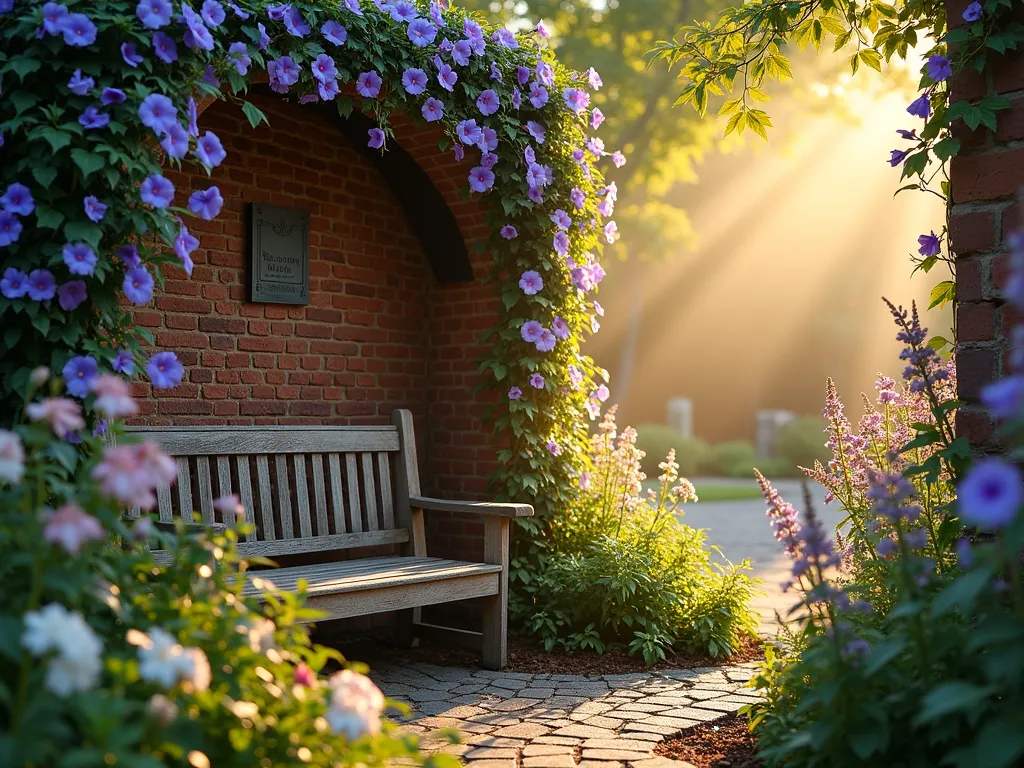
<point>726,491</point>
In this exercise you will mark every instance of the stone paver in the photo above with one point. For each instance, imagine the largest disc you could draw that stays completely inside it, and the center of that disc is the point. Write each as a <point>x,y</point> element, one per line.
<point>523,720</point>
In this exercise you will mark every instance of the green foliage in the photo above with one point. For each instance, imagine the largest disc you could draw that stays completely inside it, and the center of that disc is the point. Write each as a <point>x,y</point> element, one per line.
<point>736,458</point>
<point>801,442</point>
<point>622,570</point>
<point>241,687</point>
<point>656,440</point>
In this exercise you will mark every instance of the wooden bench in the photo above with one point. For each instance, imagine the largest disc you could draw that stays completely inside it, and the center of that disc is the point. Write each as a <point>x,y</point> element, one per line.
<point>320,489</point>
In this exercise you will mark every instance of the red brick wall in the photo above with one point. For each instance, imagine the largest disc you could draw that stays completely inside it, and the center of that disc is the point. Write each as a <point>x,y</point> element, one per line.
<point>379,332</point>
<point>985,179</point>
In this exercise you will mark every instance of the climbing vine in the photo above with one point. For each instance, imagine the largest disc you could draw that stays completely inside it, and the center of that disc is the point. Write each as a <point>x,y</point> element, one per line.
<point>96,99</point>
<point>744,49</point>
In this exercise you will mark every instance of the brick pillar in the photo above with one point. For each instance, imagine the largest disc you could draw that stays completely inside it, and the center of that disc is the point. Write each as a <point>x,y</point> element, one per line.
<point>986,178</point>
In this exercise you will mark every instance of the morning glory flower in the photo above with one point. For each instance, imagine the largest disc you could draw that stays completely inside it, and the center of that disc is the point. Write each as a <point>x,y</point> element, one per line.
<point>14,284</point>
<point>294,23</point>
<point>184,244</point>
<point>560,242</point>
<point>156,191</point>
<point>606,207</point>
<point>508,232</point>
<point>1004,398</point>
<point>79,258</point>
<point>545,73</point>
<point>131,57</point>
<point>175,141</point>
<point>324,69</point>
<point>578,197</point>
<point>504,37</point>
<point>206,203</point>
<point>210,76</point>
<point>112,96</point>
<point>10,228</point>
<point>542,30</point>
<point>920,107</point>
<point>939,68</point>
<point>368,84</point>
<point>447,77</point>
<point>53,15</point>
<point>432,110</point>
<point>129,254</point>
<point>496,72</point>
<point>991,494</point>
<point>421,32</point>
<point>596,118</point>
<point>78,373</point>
<point>92,119</point>
<point>929,245</point>
<point>158,113</point>
<point>79,85</point>
<point>334,32</point>
<point>531,329</point>
<point>538,95</point>
<point>459,151</point>
<point>595,146</point>
<point>376,138</point>
<point>165,48</point>
<point>212,13</point>
<point>193,116</point>
<point>594,79</point>
<point>154,13</point>
<point>277,12</point>
<point>546,342</point>
<point>403,10</point>
<point>488,140</point>
<point>488,159</point>
<point>481,179</point>
<point>561,219</point>
<point>461,52</point>
<point>18,199</point>
<point>522,75</point>
<point>515,393</point>
<point>576,99</point>
<point>123,363</point>
<point>264,37</point>
<point>164,370</point>
<point>487,102</point>
<point>973,12</point>
<point>209,150</point>
<point>353,6</point>
<point>536,130</point>
<point>414,81</point>
<point>611,232</point>
<point>138,286</point>
<point>896,157</point>
<point>94,209</point>
<point>468,132</point>
<point>78,31</point>
<point>618,159</point>
<point>71,295</point>
<point>240,53</point>
<point>41,285</point>
<point>537,381</point>
<point>531,282</point>
<point>328,90</point>
<point>560,328</point>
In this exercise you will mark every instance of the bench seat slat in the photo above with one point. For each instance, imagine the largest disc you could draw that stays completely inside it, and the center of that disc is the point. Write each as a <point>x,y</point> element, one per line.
<point>326,543</point>
<point>231,441</point>
<point>369,574</point>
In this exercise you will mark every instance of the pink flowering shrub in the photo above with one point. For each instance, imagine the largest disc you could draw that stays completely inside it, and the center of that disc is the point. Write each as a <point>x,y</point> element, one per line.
<point>621,570</point>
<point>110,658</point>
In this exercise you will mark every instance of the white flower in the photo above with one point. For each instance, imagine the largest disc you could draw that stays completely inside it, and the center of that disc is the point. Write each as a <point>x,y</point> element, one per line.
<point>78,664</point>
<point>43,628</point>
<point>356,705</point>
<point>162,708</point>
<point>65,675</point>
<point>260,633</point>
<point>197,673</point>
<point>162,659</point>
<point>12,458</point>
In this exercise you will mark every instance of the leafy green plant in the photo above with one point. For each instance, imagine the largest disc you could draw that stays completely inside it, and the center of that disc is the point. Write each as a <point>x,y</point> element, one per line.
<point>800,442</point>
<point>656,440</point>
<point>736,458</point>
<point>622,571</point>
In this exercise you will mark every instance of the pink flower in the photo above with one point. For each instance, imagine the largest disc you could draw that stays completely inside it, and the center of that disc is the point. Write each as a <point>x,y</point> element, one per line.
<point>158,465</point>
<point>12,458</point>
<point>230,505</point>
<point>531,282</point>
<point>72,528</point>
<point>585,481</point>
<point>305,676</point>
<point>63,415</point>
<point>618,158</point>
<point>121,476</point>
<point>602,393</point>
<point>554,448</point>
<point>113,397</point>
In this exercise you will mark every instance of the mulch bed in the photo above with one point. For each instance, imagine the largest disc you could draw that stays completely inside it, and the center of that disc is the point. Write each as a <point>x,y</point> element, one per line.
<point>722,744</point>
<point>525,656</point>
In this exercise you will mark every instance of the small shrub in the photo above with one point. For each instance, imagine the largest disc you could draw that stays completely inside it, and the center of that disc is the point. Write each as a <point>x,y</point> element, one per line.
<point>656,440</point>
<point>736,458</point>
<point>622,571</point>
<point>802,442</point>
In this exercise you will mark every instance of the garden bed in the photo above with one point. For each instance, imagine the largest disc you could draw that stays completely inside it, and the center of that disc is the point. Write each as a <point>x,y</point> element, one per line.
<point>524,656</point>
<point>722,744</point>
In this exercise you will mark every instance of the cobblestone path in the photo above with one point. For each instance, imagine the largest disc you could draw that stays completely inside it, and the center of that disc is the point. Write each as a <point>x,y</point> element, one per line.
<point>521,720</point>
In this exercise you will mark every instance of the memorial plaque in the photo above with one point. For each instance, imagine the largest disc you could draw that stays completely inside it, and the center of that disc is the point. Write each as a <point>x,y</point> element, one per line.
<point>278,255</point>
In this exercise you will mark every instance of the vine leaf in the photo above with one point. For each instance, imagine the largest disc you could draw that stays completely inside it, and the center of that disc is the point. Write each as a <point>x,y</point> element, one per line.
<point>254,114</point>
<point>87,162</point>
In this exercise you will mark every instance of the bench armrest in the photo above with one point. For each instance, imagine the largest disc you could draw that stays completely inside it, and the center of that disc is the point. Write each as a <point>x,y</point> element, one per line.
<point>493,509</point>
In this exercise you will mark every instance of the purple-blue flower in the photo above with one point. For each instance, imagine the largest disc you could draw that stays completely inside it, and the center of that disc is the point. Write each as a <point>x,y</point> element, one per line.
<point>79,258</point>
<point>537,381</point>
<point>213,13</point>
<point>508,232</point>
<point>546,341</point>
<point>14,284</point>
<point>175,141</point>
<point>414,81</point>
<point>939,68</point>
<point>561,219</point>
<point>193,117</point>
<point>129,255</point>
<point>447,77</point>
<point>488,159</point>
<point>560,242</point>
<point>1004,399</point>
<point>71,294</point>
<point>295,23</point>
<point>991,494</point>
<point>184,244</point>
<point>481,179</point>
<point>522,75</point>
<point>112,96</point>
<point>432,110</point>
<point>209,150</point>
<point>488,140</point>
<point>41,285</point>
<point>283,73</point>
<point>324,69</point>
<point>154,13</point>
<point>545,73</point>
<point>487,102</point>
<point>576,99</point>
<point>328,90</point>
<point>238,52</point>
<point>92,119</point>
<point>560,328</point>
<point>131,57</point>
<point>334,32</point>
<point>468,132</point>
<point>376,140</point>
<point>138,285</point>
<point>618,159</point>
<point>896,157</point>
<point>79,85</point>
<point>594,79</point>
<point>206,203</point>
<point>78,30</point>
<point>920,107</point>
<point>368,84</point>
<point>536,130</point>
<point>542,30</point>
<point>353,6</point>
<point>78,374</point>
<point>94,209</point>
<point>514,393</point>
<point>18,199</point>
<point>531,330</point>
<point>123,362</point>
<point>596,118</point>
<point>578,197</point>
<point>973,12</point>
<point>165,48</point>
<point>538,95</point>
<point>158,113</point>
<point>531,284</point>
<point>164,370</point>
<point>53,15</point>
<point>421,32</point>
<point>930,245</point>
<point>264,37</point>
<point>157,191</point>
<point>277,12</point>
<point>461,52</point>
<point>505,38</point>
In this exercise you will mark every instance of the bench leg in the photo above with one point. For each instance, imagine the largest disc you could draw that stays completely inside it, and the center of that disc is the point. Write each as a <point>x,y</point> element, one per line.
<point>496,545</point>
<point>405,627</point>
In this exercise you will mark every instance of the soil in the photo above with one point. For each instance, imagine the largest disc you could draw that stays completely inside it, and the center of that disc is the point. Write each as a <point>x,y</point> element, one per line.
<point>526,656</point>
<point>722,744</point>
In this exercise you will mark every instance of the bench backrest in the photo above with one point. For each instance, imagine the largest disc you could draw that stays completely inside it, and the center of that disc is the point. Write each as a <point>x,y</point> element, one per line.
<point>304,489</point>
